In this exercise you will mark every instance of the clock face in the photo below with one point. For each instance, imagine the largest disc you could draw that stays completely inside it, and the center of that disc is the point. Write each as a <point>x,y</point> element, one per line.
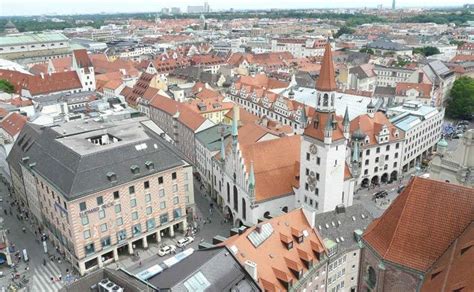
<point>313,149</point>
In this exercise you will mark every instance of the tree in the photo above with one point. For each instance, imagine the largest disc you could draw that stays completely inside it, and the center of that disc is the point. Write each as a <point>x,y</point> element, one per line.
<point>367,50</point>
<point>461,102</point>
<point>343,30</point>
<point>6,86</point>
<point>426,51</point>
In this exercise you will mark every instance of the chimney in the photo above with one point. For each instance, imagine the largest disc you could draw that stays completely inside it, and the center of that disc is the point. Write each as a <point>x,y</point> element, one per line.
<point>251,268</point>
<point>420,77</point>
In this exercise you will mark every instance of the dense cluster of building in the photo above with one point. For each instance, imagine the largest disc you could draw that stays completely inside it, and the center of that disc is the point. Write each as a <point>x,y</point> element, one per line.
<point>106,129</point>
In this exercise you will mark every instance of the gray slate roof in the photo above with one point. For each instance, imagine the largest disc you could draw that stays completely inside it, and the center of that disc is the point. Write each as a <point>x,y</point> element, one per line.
<point>76,167</point>
<point>346,228</point>
<point>387,45</point>
<point>217,265</point>
<point>211,137</point>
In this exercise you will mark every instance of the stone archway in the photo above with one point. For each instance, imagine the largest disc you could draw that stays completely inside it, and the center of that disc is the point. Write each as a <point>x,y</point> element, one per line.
<point>375,180</point>
<point>384,178</point>
<point>228,214</point>
<point>365,183</point>
<point>394,175</point>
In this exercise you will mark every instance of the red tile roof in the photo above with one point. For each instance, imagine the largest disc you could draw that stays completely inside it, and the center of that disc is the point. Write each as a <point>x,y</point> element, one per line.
<point>275,262</point>
<point>318,123</point>
<point>454,269</point>
<point>327,80</point>
<point>424,89</point>
<point>422,222</point>
<point>13,123</point>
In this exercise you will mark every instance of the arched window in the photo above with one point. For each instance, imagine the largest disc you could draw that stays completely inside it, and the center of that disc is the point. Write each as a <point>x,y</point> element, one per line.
<point>236,199</point>
<point>228,193</point>
<point>371,277</point>
<point>325,99</point>
<point>244,209</point>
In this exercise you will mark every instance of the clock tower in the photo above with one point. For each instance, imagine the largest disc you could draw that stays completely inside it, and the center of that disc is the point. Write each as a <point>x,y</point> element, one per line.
<point>325,179</point>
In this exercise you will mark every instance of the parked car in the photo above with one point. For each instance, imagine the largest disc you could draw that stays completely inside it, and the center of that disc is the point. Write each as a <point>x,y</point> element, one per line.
<point>184,241</point>
<point>380,195</point>
<point>167,249</point>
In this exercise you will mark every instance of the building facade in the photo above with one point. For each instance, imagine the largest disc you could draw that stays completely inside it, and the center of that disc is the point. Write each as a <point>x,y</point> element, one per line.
<point>105,205</point>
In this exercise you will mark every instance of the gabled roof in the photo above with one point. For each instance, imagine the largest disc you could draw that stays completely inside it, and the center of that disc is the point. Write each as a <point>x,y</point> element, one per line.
<point>82,59</point>
<point>13,123</point>
<point>273,259</point>
<point>372,127</point>
<point>422,222</point>
<point>274,162</point>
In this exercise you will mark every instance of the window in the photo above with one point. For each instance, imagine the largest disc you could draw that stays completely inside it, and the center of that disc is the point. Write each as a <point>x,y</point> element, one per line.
<point>177,213</point>
<point>119,221</point>
<point>366,162</point>
<point>131,190</point>
<point>318,160</point>
<point>121,235</point>
<point>307,171</point>
<point>162,205</point>
<point>174,175</point>
<point>164,218</point>
<point>175,188</point>
<point>147,198</point>
<point>134,215</point>
<point>89,249</point>
<point>378,150</point>
<point>161,192</point>
<point>136,229</point>
<point>376,159</point>
<point>87,234</point>
<point>105,241</point>
<point>148,210</point>
<point>367,152</point>
<point>118,208</point>
<point>116,195</point>
<point>103,227</point>
<point>160,180</point>
<point>146,184</point>
<point>101,214</point>
<point>82,206</point>
<point>397,145</point>
<point>150,224</point>
<point>308,156</point>
<point>317,176</point>
<point>176,200</point>
<point>100,200</point>
<point>85,220</point>
<point>371,277</point>
<point>133,203</point>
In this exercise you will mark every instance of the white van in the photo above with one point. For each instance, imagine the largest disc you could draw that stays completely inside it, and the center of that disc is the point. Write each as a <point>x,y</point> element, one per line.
<point>25,255</point>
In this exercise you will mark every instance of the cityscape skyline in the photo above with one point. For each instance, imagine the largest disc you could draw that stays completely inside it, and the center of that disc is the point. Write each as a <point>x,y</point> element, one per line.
<point>25,8</point>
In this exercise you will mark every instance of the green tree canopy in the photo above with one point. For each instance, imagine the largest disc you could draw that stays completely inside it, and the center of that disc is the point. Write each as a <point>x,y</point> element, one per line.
<point>343,30</point>
<point>367,50</point>
<point>6,86</point>
<point>426,51</point>
<point>461,102</point>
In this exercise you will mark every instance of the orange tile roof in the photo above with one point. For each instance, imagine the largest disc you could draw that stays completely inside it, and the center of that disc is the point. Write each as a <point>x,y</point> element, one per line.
<point>13,123</point>
<point>187,117</point>
<point>274,260</point>
<point>327,80</point>
<point>454,269</point>
<point>274,165</point>
<point>372,126</point>
<point>62,64</point>
<point>403,87</point>
<point>462,58</point>
<point>316,128</point>
<point>262,81</point>
<point>422,222</point>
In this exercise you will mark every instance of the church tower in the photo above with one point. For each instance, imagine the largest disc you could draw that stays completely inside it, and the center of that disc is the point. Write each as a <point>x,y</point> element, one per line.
<point>324,182</point>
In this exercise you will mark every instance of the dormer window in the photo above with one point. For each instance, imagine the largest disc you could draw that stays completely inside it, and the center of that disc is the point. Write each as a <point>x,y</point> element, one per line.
<point>135,169</point>
<point>111,176</point>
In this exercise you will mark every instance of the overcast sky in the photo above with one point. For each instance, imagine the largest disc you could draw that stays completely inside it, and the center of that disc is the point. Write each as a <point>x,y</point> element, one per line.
<point>35,7</point>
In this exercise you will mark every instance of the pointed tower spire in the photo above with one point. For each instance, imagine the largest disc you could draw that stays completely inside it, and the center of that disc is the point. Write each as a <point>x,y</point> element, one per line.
<point>327,80</point>
<point>346,123</point>
<point>235,127</point>
<point>222,149</point>
<point>251,180</point>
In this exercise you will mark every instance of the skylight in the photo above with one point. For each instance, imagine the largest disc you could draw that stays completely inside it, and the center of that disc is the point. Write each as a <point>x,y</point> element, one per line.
<point>260,234</point>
